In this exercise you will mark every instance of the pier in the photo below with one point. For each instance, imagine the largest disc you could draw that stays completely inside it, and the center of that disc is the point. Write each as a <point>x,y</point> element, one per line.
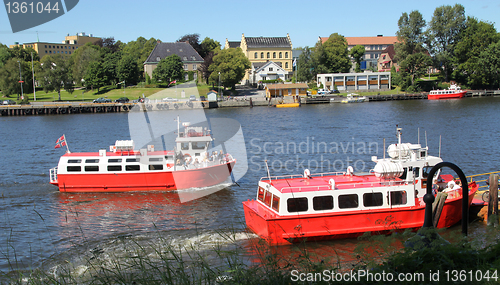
<point>62,108</point>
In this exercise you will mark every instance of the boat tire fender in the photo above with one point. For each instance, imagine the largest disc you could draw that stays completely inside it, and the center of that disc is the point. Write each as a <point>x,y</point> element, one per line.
<point>176,106</point>
<point>307,173</point>
<point>350,170</point>
<point>331,182</point>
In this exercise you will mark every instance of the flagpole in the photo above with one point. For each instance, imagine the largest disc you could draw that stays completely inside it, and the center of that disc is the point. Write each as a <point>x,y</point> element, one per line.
<point>66,143</point>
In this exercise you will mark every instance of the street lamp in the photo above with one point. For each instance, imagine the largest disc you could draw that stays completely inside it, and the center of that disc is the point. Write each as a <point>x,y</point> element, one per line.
<point>21,80</point>
<point>220,96</point>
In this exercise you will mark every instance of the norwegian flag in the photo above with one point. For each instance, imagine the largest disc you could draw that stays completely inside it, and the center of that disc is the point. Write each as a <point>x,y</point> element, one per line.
<point>173,82</point>
<point>61,142</point>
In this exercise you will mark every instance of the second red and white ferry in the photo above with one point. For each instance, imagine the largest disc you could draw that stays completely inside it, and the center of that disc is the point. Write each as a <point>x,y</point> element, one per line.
<point>322,206</point>
<point>453,92</point>
<point>123,168</point>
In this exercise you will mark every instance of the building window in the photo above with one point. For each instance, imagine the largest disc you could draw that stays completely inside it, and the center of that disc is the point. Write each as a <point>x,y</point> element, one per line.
<point>255,55</point>
<point>274,54</point>
<point>281,54</point>
<point>268,55</point>
<point>185,67</point>
<point>286,54</point>
<point>286,64</point>
<point>270,69</point>
<point>261,55</point>
<point>194,66</point>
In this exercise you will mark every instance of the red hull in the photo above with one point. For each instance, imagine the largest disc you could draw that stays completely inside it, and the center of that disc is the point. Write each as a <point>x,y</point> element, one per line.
<point>457,95</point>
<point>157,181</point>
<point>277,230</point>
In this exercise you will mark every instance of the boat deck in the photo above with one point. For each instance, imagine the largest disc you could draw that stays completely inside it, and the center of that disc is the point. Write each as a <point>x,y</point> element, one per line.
<point>321,183</point>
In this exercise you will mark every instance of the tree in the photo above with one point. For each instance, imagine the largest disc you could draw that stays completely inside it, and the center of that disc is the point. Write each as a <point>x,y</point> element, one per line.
<point>5,54</point>
<point>169,69</point>
<point>410,52</point>
<point>127,70</point>
<point>140,49</point>
<point>9,77</point>
<point>357,54</point>
<point>24,53</point>
<point>335,54</point>
<point>108,44</point>
<point>95,77</point>
<point>444,33</point>
<point>209,45</point>
<point>205,66</point>
<point>489,62</point>
<point>305,66</point>
<point>82,58</point>
<point>54,74</point>
<point>194,41</point>
<point>232,65</point>
<point>474,39</point>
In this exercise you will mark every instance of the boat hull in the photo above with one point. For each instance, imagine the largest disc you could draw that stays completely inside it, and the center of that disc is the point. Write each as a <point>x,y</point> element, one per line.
<point>457,95</point>
<point>279,230</point>
<point>288,105</point>
<point>142,181</point>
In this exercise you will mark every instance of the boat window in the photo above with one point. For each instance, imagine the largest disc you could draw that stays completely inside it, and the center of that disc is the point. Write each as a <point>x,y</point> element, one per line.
<point>74,161</point>
<point>348,201</point>
<point>267,198</point>
<point>423,154</point>
<point>156,167</point>
<point>372,199</point>
<point>405,172</point>
<point>114,168</point>
<point>260,196</point>
<point>297,205</point>
<point>114,160</point>
<point>416,171</point>
<point>276,203</point>
<point>185,146</point>
<point>426,170</point>
<point>132,167</point>
<point>133,160</point>
<point>323,203</point>
<point>92,161</point>
<point>156,159</point>
<point>169,157</point>
<point>198,145</point>
<point>91,167</point>
<point>398,197</point>
<point>74,168</point>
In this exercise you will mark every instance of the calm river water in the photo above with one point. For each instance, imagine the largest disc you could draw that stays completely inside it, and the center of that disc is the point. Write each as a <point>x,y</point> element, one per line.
<point>38,224</point>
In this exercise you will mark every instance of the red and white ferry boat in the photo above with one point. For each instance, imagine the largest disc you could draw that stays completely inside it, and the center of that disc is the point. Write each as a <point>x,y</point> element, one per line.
<point>323,206</point>
<point>125,169</point>
<point>453,92</point>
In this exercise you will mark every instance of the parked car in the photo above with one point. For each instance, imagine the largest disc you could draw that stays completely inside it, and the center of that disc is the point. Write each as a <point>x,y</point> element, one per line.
<point>102,100</point>
<point>9,102</point>
<point>202,98</point>
<point>336,91</point>
<point>323,92</point>
<point>192,98</point>
<point>169,99</point>
<point>122,100</point>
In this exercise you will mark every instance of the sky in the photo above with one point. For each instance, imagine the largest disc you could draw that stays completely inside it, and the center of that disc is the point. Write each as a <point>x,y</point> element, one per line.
<point>166,20</point>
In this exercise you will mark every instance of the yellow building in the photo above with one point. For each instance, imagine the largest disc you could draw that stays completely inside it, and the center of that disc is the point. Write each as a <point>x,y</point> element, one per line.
<point>67,47</point>
<point>289,89</point>
<point>264,49</point>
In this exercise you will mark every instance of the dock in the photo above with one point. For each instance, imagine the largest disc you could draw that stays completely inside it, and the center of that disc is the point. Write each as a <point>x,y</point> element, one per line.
<point>62,108</point>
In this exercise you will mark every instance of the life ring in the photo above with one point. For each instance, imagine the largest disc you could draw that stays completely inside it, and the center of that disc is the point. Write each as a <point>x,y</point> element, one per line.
<point>307,173</point>
<point>451,185</point>
<point>176,106</point>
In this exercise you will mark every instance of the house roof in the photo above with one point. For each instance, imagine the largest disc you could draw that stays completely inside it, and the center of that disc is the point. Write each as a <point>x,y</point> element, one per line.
<point>390,51</point>
<point>260,42</point>
<point>287,86</point>
<point>234,44</point>
<point>183,49</point>
<point>261,65</point>
<point>378,40</point>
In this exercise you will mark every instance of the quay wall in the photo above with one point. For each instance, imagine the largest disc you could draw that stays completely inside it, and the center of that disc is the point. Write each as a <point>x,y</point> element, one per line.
<point>62,108</point>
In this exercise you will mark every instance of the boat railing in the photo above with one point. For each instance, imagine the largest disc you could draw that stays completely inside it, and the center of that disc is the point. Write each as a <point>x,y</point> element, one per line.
<point>291,176</point>
<point>344,186</point>
<point>53,175</point>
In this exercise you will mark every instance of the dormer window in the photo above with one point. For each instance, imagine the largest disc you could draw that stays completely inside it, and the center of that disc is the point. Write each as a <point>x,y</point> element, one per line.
<point>193,58</point>
<point>180,50</point>
<point>184,58</point>
<point>158,58</point>
<point>168,50</point>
